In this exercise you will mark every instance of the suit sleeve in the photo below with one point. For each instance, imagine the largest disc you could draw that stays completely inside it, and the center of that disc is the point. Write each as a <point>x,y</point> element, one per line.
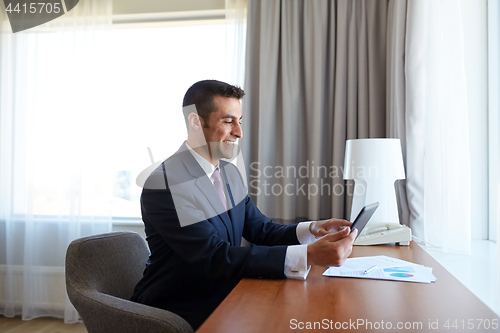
<point>201,245</point>
<point>261,230</point>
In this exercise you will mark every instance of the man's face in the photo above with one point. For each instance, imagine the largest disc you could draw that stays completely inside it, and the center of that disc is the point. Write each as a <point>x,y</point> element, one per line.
<point>224,127</point>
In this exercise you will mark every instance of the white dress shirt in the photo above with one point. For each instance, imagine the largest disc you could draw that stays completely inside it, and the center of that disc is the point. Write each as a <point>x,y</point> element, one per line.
<point>296,255</point>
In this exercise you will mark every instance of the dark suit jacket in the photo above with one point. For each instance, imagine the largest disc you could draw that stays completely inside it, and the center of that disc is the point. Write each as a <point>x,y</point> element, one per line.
<point>196,258</point>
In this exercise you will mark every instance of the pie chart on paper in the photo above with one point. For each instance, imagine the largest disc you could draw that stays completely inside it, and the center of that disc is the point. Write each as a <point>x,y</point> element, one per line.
<point>401,272</point>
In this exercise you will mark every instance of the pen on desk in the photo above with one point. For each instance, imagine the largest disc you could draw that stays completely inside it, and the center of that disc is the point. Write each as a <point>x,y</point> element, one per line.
<point>371,269</point>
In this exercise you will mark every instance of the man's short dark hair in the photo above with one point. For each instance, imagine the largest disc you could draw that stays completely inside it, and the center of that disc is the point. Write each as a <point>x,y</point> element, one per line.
<point>202,95</point>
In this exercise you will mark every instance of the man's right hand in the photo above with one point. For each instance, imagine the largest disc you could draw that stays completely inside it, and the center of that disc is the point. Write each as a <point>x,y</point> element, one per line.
<point>332,249</point>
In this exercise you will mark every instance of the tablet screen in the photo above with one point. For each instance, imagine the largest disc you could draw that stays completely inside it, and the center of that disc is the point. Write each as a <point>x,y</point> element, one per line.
<point>363,217</point>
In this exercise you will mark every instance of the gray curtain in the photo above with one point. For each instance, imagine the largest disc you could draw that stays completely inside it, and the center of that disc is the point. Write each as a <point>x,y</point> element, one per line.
<point>396,94</point>
<point>316,75</point>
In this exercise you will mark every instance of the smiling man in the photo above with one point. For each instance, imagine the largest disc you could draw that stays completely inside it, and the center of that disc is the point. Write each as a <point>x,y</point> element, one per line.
<point>196,210</point>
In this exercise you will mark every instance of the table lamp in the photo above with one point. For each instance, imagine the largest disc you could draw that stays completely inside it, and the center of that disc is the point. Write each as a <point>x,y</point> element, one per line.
<point>375,165</point>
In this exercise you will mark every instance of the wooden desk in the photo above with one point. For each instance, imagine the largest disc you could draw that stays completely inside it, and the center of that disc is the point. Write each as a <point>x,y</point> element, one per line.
<point>259,305</point>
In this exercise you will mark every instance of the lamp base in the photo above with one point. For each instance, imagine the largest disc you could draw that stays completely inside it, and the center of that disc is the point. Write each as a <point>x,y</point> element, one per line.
<point>384,233</point>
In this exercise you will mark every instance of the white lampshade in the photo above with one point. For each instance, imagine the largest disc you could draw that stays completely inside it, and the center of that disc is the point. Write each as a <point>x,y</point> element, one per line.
<point>374,165</point>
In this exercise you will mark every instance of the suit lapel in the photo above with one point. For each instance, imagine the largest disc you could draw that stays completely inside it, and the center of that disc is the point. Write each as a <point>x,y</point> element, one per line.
<point>229,184</point>
<point>207,188</point>
<point>232,212</point>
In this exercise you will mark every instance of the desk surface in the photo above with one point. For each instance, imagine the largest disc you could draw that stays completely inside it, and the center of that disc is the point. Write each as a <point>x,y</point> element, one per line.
<point>259,305</point>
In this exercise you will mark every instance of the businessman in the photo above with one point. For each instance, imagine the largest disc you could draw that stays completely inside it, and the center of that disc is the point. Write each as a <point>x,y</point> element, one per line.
<point>196,209</point>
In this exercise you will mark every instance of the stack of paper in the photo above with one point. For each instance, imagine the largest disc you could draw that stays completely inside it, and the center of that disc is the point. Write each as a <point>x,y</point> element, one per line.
<point>382,268</point>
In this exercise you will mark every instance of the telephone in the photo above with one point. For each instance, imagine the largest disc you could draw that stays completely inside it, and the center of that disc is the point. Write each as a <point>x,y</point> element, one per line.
<point>383,233</point>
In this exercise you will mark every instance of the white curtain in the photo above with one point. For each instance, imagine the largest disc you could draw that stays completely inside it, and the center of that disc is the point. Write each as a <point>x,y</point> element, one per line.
<point>236,30</point>
<point>55,186</point>
<point>436,127</point>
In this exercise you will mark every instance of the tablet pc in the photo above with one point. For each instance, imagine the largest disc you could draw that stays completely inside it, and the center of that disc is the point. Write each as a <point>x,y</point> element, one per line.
<point>363,217</point>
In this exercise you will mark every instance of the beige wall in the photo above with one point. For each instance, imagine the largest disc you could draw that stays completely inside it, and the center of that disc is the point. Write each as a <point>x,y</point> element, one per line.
<point>156,6</point>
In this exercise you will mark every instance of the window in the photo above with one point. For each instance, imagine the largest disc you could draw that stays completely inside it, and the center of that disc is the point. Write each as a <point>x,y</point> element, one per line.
<point>139,107</point>
<point>153,69</point>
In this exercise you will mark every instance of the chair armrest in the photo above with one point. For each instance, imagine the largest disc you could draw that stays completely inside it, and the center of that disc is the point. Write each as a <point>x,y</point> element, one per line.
<point>106,314</point>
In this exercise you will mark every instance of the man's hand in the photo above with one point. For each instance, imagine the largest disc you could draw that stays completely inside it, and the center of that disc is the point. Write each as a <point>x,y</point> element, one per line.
<point>325,227</point>
<point>332,249</point>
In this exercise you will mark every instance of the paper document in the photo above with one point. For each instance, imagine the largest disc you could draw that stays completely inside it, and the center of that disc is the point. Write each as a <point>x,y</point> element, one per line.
<point>387,268</point>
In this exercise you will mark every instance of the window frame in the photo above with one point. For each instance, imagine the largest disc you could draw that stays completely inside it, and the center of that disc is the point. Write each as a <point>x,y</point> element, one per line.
<point>159,20</point>
<point>493,9</point>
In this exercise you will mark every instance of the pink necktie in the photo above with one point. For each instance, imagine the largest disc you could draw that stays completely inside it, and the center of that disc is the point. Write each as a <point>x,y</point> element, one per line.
<point>218,186</point>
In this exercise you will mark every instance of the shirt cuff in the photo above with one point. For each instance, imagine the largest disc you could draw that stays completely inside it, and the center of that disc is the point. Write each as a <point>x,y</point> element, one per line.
<point>296,262</point>
<point>303,234</point>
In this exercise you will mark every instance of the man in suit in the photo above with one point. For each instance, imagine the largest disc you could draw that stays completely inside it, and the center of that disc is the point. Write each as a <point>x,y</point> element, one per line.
<point>195,209</point>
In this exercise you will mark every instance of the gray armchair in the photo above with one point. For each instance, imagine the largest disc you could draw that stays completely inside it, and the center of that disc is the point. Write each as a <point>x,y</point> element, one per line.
<point>101,273</point>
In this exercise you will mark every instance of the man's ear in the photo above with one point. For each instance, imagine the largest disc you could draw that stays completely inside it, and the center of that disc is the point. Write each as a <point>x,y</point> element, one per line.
<point>195,121</point>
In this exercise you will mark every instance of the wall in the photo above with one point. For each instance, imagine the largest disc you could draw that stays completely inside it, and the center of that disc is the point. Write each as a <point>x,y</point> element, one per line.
<point>156,6</point>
